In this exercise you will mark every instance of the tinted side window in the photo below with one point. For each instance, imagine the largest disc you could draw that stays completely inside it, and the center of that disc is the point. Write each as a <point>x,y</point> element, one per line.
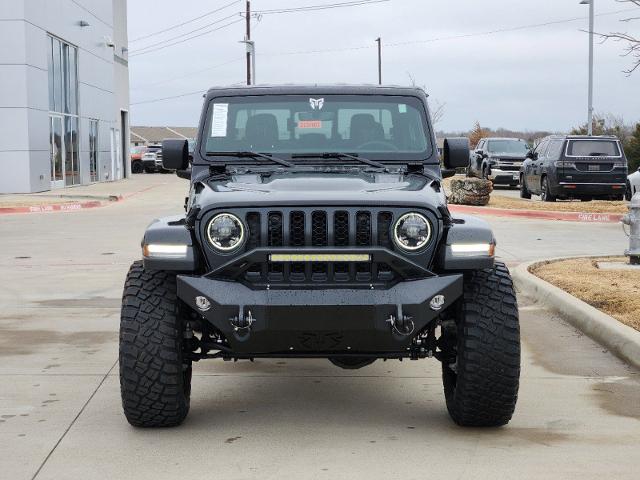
<point>542,148</point>
<point>555,148</point>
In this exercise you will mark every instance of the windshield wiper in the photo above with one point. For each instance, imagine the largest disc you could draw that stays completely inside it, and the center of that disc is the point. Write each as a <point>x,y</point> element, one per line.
<point>277,160</point>
<point>342,155</point>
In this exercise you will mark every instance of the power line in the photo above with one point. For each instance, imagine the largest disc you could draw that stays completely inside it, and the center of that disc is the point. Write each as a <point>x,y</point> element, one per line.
<point>199,92</point>
<point>185,23</point>
<point>186,39</point>
<point>397,44</point>
<point>177,37</point>
<point>189,74</point>
<point>327,6</point>
<point>181,95</point>
<point>439,39</point>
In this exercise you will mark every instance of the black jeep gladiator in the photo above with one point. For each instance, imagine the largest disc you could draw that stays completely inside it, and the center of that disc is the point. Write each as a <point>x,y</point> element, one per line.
<point>316,226</point>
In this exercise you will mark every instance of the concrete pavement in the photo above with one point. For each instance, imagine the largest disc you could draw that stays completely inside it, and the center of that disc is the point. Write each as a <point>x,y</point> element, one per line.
<point>60,414</point>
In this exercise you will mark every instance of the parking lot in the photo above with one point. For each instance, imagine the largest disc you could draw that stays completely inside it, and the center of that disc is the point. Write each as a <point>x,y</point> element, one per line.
<point>60,415</point>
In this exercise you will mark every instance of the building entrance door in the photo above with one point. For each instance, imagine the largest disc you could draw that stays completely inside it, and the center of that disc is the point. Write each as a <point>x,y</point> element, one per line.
<point>56,149</point>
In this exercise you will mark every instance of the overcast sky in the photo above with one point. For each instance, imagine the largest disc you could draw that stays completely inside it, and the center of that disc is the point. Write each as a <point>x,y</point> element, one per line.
<point>526,79</point>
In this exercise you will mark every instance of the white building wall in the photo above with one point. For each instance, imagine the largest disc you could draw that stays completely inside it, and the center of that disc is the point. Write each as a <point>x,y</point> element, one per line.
<point>24,107</point>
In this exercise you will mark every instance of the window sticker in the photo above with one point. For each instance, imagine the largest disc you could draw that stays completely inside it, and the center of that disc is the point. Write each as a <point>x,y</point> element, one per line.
<point>402,108</point>
<point>310,124</point>
<point>219,120</point>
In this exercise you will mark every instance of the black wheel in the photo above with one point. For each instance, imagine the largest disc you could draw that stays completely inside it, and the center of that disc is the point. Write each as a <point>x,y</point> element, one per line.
<point>545,194</point>
<point>524,191</point>
<point>155,380</point>
<point>628,192</point>
<point>149,170</point>
<point>136,167</point>
<point>484,173</point>
<point>586,199</point>
<point>482,374</point>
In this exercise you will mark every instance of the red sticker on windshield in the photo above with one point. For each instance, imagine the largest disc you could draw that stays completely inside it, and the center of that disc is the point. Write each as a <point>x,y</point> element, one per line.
<point>310,124</point>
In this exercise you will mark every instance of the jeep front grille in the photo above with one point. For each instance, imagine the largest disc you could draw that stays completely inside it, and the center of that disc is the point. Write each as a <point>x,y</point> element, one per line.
<point>319,228</point>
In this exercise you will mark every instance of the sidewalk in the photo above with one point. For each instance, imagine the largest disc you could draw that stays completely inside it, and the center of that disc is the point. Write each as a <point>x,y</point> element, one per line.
<point>81,196</point>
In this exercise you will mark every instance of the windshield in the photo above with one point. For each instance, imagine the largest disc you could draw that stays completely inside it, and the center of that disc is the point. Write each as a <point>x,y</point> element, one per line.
<point>593,148</point>
<point>373,126</point>
<point>511,147</point>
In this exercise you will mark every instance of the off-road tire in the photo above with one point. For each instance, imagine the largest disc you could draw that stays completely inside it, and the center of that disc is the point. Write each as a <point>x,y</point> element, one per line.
<point>628,191</point>
<point>149,170</point>
<point>483,389</point>
<point>545,194</point>
<point>155,382</point>
<point>524,191</point>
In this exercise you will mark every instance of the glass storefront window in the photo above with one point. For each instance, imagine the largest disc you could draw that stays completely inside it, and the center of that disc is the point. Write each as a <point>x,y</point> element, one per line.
<point>63,106</point>
<point>93,150</point>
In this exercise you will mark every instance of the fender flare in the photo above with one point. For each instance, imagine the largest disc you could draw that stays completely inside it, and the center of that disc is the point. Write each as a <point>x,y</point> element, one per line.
<point>171,231</point>
<point>465,229</point>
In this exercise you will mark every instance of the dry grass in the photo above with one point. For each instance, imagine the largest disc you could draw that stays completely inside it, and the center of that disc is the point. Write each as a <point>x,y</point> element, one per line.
<point>615,292</point>
<point>596,206</point>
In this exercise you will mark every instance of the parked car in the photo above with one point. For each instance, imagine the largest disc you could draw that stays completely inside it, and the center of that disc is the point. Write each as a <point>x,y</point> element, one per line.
<point>136,159</point>
<point>498,160</point>
<point>633,184</point>
<point>334,242</point>
<point>575,166</point>
<point>152,159</point>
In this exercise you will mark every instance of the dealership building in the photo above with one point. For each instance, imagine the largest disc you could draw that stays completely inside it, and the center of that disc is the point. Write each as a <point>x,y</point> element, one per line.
<point>64,93</point>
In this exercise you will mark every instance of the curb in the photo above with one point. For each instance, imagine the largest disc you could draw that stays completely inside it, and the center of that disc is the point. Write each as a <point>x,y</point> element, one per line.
<point>618,338</point>
<point>540,214</point>
<point>73,206</point>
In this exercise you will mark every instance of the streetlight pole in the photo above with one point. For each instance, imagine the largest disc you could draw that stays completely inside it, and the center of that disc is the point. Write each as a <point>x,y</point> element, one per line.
<point>591,26</point>
<point>379,40</point>
<point>247,40</point>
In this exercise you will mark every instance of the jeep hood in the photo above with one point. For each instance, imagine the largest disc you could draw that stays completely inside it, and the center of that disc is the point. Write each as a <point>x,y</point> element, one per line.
<point>322,189</point>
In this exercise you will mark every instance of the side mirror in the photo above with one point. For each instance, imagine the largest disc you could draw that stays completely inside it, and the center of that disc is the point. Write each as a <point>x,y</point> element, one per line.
<point>456,153</point>
<point>479,152</point>
<point>175,154</point>
<point>532,155</point>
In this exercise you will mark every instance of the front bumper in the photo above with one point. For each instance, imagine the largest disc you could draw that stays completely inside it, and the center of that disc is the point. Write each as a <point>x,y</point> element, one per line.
<point>315,321</point>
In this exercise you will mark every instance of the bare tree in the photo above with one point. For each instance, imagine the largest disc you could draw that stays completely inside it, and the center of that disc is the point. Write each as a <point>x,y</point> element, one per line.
<point>632,42</point>
<point>436,108</point>
<point>437,111</point>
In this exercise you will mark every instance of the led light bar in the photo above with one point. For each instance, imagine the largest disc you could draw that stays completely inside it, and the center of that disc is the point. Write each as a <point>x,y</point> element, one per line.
<point>470,249</point>
<point>158,250</point>
<point>320,257</point>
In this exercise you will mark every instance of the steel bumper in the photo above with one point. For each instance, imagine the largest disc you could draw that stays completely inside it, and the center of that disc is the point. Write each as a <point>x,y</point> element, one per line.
<point>331,320</point>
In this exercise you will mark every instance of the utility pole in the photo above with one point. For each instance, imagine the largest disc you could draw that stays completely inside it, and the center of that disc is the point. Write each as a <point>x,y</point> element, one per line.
<point>379,40</point>
<point>248,40</point>
<point>591,26</point>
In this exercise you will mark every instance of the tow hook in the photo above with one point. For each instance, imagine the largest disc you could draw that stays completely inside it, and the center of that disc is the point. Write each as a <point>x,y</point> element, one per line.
<point>401,324</point>
<point>241,322</point>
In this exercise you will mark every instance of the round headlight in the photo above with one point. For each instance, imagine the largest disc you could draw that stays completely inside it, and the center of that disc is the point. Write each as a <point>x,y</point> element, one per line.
<point>412,231</point>
<point>225,232</point>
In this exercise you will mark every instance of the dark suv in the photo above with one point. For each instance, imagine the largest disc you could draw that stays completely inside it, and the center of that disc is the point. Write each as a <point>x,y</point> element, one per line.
<point>317,227</point>
<point>575,166</point>
<point>498,160</point>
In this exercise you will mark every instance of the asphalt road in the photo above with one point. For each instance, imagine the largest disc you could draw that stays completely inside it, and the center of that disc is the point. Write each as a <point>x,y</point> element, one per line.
<point>61,275</point>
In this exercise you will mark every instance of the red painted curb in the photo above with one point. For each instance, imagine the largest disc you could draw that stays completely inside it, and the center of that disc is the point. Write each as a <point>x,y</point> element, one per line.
<point>540,214</point>
<point>72,206</point>
<point>56,207</point>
